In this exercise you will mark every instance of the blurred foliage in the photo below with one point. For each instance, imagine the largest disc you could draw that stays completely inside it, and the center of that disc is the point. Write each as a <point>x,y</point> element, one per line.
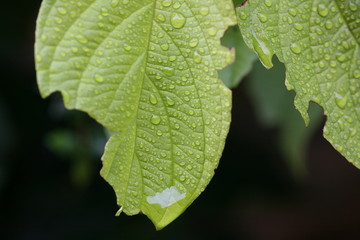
<point>274,106</point>
<point>244,58</point>
<point>77,141</point>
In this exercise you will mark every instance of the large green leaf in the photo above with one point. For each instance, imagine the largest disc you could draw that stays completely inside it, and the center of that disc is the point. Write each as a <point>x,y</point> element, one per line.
<point>319,41</point>
<point>146,70</point>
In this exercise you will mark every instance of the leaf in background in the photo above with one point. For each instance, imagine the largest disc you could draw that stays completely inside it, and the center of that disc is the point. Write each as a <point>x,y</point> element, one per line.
<point>244,58</point>
<point>146,70</point>
<point>275,109</point>
<point>319,43</point>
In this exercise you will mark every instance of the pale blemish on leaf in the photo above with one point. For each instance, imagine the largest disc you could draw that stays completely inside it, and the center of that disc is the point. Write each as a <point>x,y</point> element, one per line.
<point>167,197</point>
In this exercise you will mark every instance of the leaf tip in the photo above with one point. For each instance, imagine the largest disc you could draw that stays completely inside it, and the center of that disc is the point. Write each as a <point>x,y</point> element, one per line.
<point>117,214</point>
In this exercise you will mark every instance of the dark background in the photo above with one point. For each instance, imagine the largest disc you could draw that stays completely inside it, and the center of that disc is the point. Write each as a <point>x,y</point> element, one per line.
<point>50,187</point>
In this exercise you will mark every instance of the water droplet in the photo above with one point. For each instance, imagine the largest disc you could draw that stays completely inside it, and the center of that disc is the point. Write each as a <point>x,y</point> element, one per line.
<point>263,51</point>
<point>352,132</point>
<point>159,133</point>
<point>322,10</point>
<point>104,12</point>
<point>262,17</point>
<point>204,11</point>
<point>164,47</point>
<point>127,47</point>
<point>169,101</point>
<point>268,3</point>
<point>176,5</point>
<point>292,12</point>
<point>126,2</point>
<point>356,73</point>
<point>182,178</point>
<point>155,120</point>
<point>44,38</point>
<point>341,124</point>
<point>161,17</point>
<point>177,20</point>
<point>353,7</point>
<point>38,58</point>
<point>243,15</point>
<point>153,99</point>
<point>340,100</point>
<point>295,48</point>
<point>166,3</point>
<point>212,31</point>
<point>333,64</point>
<point>298,26</point>
<point>74,49</point>
<point>338,147</point>
<point>61,11</point>
<point>81,39</point>
<point>329,76</point>
<point>172,58</point>
<point>345,45</point>
<point>114,3</point>
<point>98,78</point>
<point>340,57</point>
<point>328,24</point>
<point>58,20</point>
<point>193,42</point>
<point>169,71</point>
<point>197,58</point>
<point>348,119</point>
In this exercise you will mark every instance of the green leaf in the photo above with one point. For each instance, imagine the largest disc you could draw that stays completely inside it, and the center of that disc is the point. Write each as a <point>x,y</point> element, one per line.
<point>146,70</point>
<point>275,109</point>
<point>244,58</point>
<point>319,43</point>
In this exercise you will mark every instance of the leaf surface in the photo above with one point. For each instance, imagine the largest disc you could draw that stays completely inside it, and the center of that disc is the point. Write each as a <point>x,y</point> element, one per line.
<point>319,43</point>
<point>146,70</point>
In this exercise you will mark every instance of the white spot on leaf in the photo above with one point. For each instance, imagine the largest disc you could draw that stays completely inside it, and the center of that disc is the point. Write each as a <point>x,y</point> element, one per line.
<point>167,197</point>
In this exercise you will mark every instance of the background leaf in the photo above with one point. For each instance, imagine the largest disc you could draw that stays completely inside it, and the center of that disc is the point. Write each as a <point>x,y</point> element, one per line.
<point>147,71</point>
<point>244,58</point>
<point>275,109</point>
<point>319,43</point>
